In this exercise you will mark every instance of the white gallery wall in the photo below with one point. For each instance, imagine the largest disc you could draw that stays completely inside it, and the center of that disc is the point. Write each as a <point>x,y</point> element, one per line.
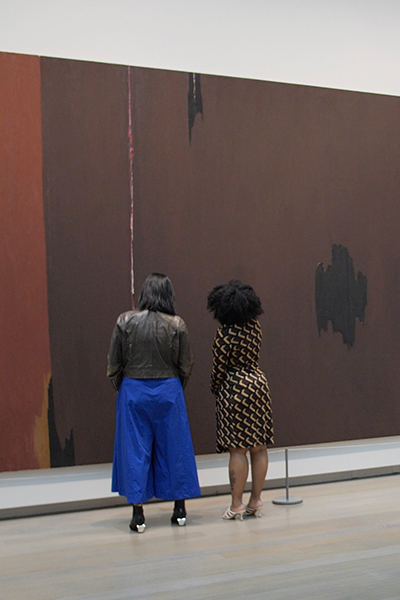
<point>344,44</point>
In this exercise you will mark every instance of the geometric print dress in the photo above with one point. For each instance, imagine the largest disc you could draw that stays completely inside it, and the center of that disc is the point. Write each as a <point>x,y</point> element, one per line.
<point>243,408</point>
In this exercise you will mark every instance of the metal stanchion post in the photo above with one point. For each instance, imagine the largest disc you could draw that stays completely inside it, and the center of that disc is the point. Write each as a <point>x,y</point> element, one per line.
<point>285,500</point>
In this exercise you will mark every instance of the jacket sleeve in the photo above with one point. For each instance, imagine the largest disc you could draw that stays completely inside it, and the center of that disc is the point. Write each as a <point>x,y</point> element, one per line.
<point>221,351</point>
<point>115,362</point>
<point>185,357</point>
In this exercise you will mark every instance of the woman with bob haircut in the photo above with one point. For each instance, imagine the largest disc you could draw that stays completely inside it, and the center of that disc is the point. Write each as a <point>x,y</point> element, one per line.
<point>149,363</point>
<point>244,419</point>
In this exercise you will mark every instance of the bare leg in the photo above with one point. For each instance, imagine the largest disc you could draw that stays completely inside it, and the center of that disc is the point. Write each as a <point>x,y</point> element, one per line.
<point>259,467</point>
<point>238,472</point>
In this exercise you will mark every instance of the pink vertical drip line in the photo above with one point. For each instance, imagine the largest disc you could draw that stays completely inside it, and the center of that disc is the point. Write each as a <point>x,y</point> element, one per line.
<point>130,135</point>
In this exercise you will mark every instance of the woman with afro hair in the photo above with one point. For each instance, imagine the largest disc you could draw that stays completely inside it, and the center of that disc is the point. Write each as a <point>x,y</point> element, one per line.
<point>243,403</point>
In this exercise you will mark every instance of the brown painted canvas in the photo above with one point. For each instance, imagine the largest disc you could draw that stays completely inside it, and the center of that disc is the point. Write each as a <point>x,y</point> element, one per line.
<point>87,204</point>
<point>271,180</point>
<point>292,189</point>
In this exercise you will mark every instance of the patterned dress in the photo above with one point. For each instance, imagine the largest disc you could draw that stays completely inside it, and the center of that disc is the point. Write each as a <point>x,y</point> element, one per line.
<point>244,418</point>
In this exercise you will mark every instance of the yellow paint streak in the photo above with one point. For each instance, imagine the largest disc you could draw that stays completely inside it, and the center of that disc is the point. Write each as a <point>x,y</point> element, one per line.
<point>41,433</point>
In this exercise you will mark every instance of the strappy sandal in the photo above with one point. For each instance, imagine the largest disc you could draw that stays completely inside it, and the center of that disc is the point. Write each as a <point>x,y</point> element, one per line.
<point>253,512</point>
<point>230,515</point>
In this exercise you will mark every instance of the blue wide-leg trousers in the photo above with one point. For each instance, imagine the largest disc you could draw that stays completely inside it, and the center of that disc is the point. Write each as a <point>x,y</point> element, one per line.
<point>153,450</point>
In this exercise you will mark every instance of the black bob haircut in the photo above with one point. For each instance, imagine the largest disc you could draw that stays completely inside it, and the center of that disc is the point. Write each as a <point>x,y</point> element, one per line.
<point>157,294</point>
<point>234,303</point>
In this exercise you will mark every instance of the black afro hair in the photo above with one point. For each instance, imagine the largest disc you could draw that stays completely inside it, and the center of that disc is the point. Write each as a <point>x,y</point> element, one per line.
<point>234,303</point>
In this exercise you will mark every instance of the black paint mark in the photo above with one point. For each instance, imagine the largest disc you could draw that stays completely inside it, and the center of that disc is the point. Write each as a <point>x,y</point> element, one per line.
<point>59,457</point>
<point>339,296</point>
<point>195,102</point>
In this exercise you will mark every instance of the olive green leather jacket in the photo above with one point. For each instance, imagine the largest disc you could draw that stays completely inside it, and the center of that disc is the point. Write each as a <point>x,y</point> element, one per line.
<point>149,345</point>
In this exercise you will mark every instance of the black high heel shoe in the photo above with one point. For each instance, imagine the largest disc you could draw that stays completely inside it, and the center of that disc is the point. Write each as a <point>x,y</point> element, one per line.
<point>137,523</point>
<point>179,514</point>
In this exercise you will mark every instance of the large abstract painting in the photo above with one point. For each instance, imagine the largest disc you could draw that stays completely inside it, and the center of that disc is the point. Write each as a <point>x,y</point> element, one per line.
<point>111,172</point>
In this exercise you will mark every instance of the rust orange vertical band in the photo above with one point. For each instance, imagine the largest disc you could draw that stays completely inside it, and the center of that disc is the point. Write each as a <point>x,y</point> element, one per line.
<point>24,350</point>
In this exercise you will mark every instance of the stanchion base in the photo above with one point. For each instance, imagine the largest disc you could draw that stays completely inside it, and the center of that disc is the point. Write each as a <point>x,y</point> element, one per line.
<point>291,500</point>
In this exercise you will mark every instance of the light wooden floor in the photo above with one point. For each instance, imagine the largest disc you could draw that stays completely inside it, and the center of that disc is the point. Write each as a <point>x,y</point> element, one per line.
<point>343,543</point>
